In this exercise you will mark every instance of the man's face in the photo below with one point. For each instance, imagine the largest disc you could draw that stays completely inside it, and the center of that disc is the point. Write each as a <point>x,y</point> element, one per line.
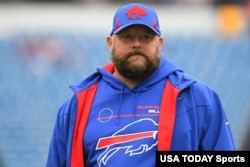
<point>135,52</point>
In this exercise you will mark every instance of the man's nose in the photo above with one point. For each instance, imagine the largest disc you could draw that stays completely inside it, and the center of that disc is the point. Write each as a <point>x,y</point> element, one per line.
<point>136,43</point>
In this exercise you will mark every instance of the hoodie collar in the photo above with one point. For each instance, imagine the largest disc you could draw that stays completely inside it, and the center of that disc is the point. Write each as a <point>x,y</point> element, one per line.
<point>164,71</point>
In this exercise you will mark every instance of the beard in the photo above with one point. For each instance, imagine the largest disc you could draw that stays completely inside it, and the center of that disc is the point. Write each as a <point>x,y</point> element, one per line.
<point>136,68</point>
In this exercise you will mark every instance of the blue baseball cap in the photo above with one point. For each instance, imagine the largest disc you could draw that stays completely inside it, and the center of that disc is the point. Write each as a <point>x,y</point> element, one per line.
<point>133,14</point>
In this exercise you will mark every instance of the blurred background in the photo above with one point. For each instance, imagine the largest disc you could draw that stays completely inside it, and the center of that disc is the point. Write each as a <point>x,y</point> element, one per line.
<point>47,45</point>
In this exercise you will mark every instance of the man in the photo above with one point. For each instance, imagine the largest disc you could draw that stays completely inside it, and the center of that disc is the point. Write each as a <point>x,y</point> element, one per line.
<point>138,104</point>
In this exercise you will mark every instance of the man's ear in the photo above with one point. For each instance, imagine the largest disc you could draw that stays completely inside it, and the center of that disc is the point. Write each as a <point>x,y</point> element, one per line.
<point>109,42</point>
<point>161,41</point>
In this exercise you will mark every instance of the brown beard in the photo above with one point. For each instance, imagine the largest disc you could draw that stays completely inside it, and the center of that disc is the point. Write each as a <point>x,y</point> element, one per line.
<point>132,72</point>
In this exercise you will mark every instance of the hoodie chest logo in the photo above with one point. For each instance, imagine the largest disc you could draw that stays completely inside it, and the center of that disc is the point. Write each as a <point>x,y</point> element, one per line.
<point>129,140</point>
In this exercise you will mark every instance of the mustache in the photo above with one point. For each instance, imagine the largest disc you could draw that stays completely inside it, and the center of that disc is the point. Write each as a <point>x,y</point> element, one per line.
<point>136,53</point>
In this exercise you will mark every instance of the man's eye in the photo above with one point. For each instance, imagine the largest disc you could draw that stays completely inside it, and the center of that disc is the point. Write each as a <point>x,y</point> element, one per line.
<point>126,36</point>
<point>146,37</point>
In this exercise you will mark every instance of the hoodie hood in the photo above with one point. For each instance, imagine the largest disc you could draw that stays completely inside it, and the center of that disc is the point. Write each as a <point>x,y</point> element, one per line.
<point>165,70</point>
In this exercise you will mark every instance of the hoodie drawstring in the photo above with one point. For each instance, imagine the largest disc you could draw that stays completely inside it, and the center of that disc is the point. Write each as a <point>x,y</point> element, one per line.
<point>119,108</point>
<point>135,103</point>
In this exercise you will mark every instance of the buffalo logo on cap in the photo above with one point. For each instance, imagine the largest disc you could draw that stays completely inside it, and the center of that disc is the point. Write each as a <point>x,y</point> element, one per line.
<point>136,12</point>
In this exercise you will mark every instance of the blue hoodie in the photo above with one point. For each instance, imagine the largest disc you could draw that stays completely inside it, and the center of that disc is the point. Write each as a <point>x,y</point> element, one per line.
<point>121,127</point>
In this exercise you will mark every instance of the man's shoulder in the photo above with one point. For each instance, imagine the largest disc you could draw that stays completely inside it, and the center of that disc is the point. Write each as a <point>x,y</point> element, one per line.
<point>86,83</point>
<point>198,87</point>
